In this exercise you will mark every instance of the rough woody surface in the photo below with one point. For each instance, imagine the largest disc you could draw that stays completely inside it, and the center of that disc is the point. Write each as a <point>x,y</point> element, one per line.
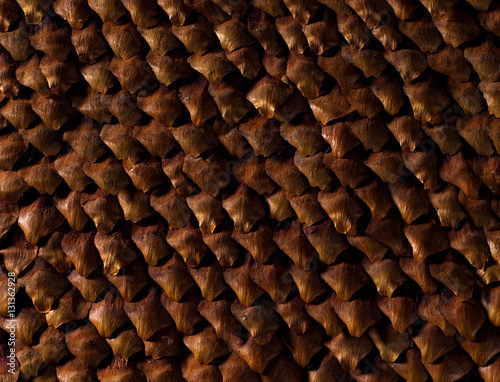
<point>251,190</point>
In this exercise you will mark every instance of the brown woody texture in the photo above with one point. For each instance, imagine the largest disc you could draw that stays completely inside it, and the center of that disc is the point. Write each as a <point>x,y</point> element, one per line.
<point>251,190</point>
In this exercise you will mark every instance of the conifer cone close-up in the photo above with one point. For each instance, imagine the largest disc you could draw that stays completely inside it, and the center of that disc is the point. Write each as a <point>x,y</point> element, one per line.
<point>250,190</point>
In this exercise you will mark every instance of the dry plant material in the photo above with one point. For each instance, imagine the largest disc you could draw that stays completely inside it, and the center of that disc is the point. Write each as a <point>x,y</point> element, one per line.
<point>273,279</point>
<point>246,59</point>
<point>251,190</point>
<point>239,281</point>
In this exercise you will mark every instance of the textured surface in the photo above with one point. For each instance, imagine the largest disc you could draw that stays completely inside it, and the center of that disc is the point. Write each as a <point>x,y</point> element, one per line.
<point>261,190</point>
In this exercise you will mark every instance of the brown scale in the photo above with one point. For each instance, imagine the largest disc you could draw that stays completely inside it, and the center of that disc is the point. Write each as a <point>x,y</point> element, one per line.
<point>282,367</point>
<point>206,346</point>
<point>235,368</point>
<point>166,343</point>
<point>388,231</point>
<point>307,208</point>
<point>98,75</point>
<point>33,320</point>
<point>487,18</point>
<point>169,68</point>
<point>354,30</point>
<point>193,371</point>
<point>142,76</point>
<point>172,277</point>
<point>70,306</point>
<point>491,93</point>
<point>387,32</point>
<point>259,243</point>
<point>29,361</point>
<point>467,95</point>
<point>9,87</point>
<point>151,241</point>
<point>250,170</point>
<point>262,135</point>
<point>274,279</point>
<point>19,113</point>
<point>238,279</point>
<point>162,104</point>
<point>340,68</point>
<point>223,246</point>
<point>219,315</point>
<point>209,280</point>
<point>130,280</point>
<point>104,210</point>
<point>135,205</point>
<point>108,10</point>
<point>116,251</point>
<point>188,243</point>
<point>88,355</point>
<point>89,42</point>
<point>147,315</point>
<point>108,315</point>
<point>342,208</point>
<point>363,101</point>
<point>305,136</point>
<point>120,369</point>
<point>81,252</point>
<point>94,105</point>
<point>260,321</point>
<point>260,25</point>
<point>52,253</point>
<point>246,59</point>
<point>471,243</point>
<point>162,368</point>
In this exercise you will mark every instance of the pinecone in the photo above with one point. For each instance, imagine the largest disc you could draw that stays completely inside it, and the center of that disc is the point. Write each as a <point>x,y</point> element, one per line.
<point>250,190</point>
